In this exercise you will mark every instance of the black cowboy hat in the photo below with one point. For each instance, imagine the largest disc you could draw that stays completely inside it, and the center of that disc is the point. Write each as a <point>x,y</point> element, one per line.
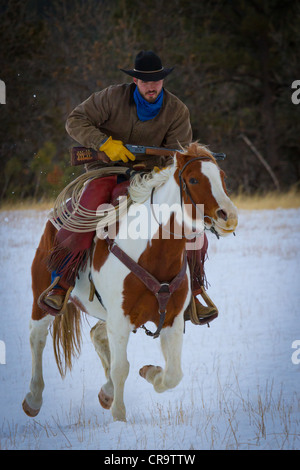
<point>148,67</point>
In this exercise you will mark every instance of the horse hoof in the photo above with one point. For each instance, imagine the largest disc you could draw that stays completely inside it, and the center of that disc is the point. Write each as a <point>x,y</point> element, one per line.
<point>143,371</point>
<point>28,410</point>
<point>124,420</point>
<point>105,400</point>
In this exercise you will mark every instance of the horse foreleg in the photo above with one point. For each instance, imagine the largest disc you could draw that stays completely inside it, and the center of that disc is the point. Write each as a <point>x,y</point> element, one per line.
<point>171,343</point>
<point>100,342</point>
<point>118,334</point>
<point>38,335</point>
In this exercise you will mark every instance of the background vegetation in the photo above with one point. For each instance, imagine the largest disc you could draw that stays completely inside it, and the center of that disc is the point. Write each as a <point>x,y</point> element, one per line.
<point>234,63</point>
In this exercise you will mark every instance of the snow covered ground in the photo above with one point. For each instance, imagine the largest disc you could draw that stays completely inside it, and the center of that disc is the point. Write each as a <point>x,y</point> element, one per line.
<point>240,388</point>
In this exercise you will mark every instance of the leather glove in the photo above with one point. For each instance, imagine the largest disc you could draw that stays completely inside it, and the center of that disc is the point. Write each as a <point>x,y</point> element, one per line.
<point>115,150</point>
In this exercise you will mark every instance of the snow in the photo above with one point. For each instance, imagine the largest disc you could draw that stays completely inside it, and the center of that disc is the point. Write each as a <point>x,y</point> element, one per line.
<point>240,388</point>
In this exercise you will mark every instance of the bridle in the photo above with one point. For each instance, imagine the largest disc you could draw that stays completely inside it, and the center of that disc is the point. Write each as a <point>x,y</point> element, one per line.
<point>183,188</point>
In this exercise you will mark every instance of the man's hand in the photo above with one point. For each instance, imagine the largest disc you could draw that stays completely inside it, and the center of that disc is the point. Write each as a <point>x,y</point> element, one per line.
<point>115,150</point>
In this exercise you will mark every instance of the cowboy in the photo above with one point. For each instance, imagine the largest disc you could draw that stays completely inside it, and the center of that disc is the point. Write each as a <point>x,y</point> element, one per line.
<point>139,113</point>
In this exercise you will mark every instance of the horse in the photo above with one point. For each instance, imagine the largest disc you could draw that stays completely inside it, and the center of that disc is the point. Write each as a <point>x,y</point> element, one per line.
<point>124,301</point>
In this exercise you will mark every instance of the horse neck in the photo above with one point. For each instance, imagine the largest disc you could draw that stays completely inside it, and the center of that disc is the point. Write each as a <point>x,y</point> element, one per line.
<point>165,196</point>
<point>163,255</point>
<point>166,202</point>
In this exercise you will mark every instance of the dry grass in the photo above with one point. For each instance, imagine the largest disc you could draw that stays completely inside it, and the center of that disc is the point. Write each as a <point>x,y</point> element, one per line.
<point>27,204</point>
<point>259,201</point>
<point>269,200</point>
<point>231,420</point>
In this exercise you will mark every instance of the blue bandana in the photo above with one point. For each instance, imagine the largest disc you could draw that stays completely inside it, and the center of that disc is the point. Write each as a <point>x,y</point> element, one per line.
<point>146,110</point>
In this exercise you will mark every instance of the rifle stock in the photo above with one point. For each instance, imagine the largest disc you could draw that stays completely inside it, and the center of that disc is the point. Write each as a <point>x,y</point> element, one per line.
<point>82,155</point>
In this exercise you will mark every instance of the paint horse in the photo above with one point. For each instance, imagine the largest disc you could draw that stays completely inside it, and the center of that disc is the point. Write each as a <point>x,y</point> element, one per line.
<point>124,302</point>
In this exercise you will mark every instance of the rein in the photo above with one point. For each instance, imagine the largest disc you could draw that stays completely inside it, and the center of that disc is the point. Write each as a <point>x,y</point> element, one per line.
<point>161,290</point>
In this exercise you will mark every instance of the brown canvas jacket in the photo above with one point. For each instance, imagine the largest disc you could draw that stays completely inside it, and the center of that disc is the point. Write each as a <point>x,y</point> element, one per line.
<point>112,112</point>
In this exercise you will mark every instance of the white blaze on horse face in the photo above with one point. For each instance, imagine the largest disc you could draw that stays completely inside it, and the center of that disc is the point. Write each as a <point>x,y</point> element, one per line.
<point>212,172</point>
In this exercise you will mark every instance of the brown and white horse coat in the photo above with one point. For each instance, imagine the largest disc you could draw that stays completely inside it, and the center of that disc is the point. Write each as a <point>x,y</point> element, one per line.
<point>126,303</point>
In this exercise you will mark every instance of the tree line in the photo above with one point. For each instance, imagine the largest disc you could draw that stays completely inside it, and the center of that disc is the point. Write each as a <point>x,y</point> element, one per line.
<point>235,62</point>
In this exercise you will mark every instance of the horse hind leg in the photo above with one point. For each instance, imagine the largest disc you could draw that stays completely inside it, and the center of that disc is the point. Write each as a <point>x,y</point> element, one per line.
<point>100,341</point>
<point>40,276</point>
<point>39,322</point>
<point>38,335</point>
<point>171,343</point>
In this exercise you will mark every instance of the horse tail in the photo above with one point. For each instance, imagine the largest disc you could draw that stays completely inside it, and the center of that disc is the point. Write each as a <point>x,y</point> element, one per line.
<point>66,332</point>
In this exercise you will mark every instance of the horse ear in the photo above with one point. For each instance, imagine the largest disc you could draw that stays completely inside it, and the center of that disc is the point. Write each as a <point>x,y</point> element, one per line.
<point>179,158</point>
<point>223,175</point>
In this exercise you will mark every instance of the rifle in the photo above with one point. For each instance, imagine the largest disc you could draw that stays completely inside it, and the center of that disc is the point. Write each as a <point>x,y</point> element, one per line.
<point>81,155</point>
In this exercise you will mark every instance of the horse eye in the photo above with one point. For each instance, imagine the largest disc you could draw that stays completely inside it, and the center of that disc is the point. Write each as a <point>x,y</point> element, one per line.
<point>193,181</point>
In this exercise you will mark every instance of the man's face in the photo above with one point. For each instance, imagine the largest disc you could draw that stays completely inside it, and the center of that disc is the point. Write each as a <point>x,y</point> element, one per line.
<point>149,90</point>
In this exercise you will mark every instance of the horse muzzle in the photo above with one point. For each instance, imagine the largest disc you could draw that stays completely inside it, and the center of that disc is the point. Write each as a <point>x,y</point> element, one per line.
<point>226,226</point>
<point>223,223</point>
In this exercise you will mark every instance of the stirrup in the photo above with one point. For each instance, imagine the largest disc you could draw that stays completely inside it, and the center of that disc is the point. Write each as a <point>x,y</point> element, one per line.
<point>191,311</point>
<point>207,299</point>
<point>52,311</point>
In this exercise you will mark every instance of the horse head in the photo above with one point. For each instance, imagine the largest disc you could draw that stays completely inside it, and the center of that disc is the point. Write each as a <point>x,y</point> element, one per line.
<point>203,190</point>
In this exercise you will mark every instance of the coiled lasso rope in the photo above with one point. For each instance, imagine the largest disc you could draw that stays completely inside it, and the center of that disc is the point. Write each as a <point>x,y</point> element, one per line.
<point>71,215</point>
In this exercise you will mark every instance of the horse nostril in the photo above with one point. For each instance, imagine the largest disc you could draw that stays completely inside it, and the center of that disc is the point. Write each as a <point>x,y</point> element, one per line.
<point>221,214</point>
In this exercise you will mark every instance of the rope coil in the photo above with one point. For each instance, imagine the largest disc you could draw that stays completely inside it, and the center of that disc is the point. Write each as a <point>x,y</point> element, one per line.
<point>71,215</point>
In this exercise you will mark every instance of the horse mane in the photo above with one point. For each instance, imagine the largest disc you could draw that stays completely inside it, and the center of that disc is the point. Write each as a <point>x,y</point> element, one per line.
<point>199,150</point>
<point>142,184</point>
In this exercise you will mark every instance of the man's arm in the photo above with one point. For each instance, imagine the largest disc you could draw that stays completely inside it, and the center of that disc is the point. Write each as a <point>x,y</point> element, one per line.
<point>180,131</point>
<point>82,124</point>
